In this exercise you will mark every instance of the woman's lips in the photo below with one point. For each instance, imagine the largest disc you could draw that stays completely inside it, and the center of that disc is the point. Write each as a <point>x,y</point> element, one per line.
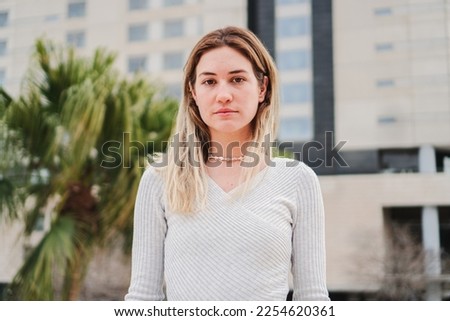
<point>225,111</point>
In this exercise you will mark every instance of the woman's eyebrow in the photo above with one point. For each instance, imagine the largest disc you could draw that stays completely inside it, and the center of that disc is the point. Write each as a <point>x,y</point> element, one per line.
<point>207,73</point>
<point>233,72</point>
<point>238,71</point>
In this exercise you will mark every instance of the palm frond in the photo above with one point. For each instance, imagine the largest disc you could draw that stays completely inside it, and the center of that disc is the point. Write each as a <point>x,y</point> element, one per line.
<point>34,281</point>
<point>69,108</point>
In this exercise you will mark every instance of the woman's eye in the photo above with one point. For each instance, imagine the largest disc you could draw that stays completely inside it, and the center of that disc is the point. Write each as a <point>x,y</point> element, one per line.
<point>209,82</point>
<point>238,79</point>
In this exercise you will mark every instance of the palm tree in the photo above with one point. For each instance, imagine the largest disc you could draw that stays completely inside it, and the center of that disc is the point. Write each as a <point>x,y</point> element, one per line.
<point>76,146</point>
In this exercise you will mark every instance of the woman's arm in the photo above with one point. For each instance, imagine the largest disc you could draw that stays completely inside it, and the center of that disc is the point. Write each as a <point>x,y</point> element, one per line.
<point>147,259</point>
<point>308,240</point>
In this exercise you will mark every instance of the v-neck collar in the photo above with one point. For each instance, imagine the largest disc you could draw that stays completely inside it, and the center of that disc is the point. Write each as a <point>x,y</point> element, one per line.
<point>255,179</point>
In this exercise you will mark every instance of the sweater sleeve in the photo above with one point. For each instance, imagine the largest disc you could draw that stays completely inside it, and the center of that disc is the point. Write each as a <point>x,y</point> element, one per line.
<point>308,240</point>
<point>149,230</point>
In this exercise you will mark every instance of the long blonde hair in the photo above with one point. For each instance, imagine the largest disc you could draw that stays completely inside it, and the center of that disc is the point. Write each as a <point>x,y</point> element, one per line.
<point>185,175</point>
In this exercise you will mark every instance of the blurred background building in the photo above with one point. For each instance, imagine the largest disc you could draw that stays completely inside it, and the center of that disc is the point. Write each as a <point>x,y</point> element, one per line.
<point>367,81</point>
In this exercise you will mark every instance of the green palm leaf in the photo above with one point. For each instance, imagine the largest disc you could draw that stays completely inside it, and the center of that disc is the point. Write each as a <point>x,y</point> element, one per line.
<point>35,280</point>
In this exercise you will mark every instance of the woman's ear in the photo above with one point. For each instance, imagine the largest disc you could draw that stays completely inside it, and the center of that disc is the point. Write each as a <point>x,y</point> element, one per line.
<point>191,89</point>
<point>263,89</point>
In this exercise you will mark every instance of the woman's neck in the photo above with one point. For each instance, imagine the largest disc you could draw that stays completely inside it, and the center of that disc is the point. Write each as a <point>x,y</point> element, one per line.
<point>229,144</point>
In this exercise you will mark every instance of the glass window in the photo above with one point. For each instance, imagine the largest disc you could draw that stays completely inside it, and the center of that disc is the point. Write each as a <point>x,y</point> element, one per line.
<point>170,3</point>
<point>137,63</point>
<point>2,76</point>
<point>385,83</point>
<point>51,18</point>
<point>76,39</point>
<point>385,46</point>
<point>173,60</point>
<point>293,26</point>
<point>138,32</point>
<point>77,9</point>
<point>173,28</point>
<point>137,4</point>
<point>295,93</point>
<point>293,59</point>
<point>295,129</point>
<point>399,160</point>
<point>3,47</point>
<point>3,18</point>
<point>387,119</point>
<point>285,2</point>
<point>385,11</point>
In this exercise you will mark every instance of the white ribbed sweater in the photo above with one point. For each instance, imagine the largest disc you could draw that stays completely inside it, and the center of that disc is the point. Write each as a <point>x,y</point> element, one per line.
<point>237,250</point>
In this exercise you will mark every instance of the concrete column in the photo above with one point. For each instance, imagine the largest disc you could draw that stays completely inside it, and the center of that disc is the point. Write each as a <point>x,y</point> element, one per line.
<point>430,230</point>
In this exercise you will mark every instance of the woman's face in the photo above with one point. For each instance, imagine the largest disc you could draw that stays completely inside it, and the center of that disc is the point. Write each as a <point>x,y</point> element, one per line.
<point>227,92</point>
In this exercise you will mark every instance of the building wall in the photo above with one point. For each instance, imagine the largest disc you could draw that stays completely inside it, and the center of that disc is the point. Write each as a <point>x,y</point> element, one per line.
<point>11,250</point>
<point>106,23</point>
<point>391,63</point>
<point>354,220</point>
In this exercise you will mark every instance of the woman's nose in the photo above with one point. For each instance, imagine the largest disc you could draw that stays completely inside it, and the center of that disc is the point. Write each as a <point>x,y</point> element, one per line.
<point>224,94</point>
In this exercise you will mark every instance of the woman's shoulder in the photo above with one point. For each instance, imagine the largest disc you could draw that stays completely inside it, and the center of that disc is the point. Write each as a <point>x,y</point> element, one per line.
<point>152,175</point>
<point>292,167</point>
<point>294,173</point>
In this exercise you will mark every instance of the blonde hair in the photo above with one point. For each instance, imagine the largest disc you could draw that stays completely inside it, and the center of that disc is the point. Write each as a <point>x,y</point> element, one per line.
<point>185,175</point>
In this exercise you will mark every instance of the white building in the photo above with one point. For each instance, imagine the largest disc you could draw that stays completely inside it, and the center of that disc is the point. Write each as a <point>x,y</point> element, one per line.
<point>153,36</point>
<point>392,105</point>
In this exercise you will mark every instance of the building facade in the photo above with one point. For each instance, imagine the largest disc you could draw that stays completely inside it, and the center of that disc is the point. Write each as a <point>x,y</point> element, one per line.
<point>365,88</point>
<point>375,128</point>
<point>392,109</point>
<point>150,36</point>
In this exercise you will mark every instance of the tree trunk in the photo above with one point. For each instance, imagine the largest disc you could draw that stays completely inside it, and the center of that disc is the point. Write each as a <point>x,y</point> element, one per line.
<point>75,273</point>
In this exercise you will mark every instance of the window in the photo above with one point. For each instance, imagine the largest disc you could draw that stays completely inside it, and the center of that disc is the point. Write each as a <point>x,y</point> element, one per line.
<point>399,160</point>
<point>173,28</point>
<point>385,46</point>
<point>170,3</point>
<point>3,47</point>
<point>385,11</point>
<point>295,93</point>
<point>385,83</point>
<point>295,129</point>
<point>443,160</point>
<point>387,119</point>
<point>286,2</point>
<point>3,18</point>
<point>77,9</point>
<point>138,32</point>
<point>293,26</point>
<point>76,39</point>
<point>137,4</point>
<point>404,254</point>
<point>137,64</point>
<point>444,233</point>
<point>51,18</point>
<point>293,59</point>
<point>173,60</point>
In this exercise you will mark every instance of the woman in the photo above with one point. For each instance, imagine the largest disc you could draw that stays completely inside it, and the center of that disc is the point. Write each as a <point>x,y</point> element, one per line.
<point>223,220</point>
